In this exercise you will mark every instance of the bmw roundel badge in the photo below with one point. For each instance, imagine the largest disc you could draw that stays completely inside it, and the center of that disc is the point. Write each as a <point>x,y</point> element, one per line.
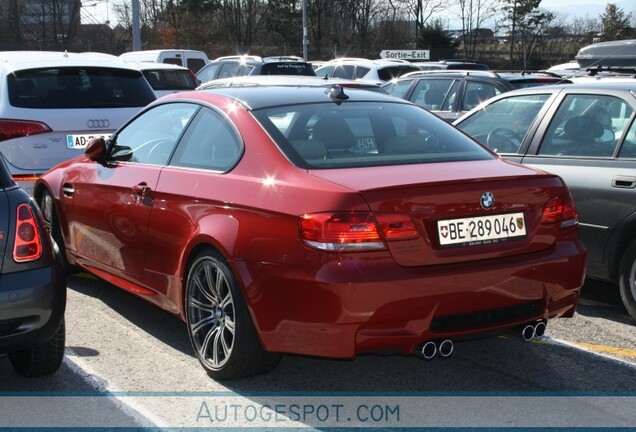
<point>487,200</point>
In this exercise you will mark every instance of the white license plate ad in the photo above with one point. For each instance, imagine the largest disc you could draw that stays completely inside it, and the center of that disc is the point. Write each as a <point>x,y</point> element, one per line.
<point>481,230</point>
<point>81,141</point>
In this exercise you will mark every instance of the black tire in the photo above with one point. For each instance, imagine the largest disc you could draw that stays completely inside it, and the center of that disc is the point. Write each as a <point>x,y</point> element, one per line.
<point>47,207</point>
<point>220,327</point>
<point>627,280</point>
<point>43,359</point>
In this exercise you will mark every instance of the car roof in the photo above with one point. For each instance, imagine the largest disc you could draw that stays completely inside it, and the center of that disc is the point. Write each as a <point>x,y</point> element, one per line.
<point>256,97</point>
<point>258,59</point>
<point>488,74</point>
<point>580,86</point>
<point>18,60</point>
<point>281,80</point>
<point>366,62</point>
<point>156,66</point>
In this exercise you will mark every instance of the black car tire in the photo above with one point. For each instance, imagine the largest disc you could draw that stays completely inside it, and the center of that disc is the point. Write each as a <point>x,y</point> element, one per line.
<point>627,280</point>
<point>220,327</point>
<point>47,206</point>
<point>43,359</point>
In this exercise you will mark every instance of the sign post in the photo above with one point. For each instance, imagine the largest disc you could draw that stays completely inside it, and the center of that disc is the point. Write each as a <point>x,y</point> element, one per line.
<point>406,54</point>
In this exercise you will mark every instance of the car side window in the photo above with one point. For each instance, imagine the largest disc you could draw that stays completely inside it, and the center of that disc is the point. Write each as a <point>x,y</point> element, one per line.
<point>151,137</point>
<point>209,143</point>
<point>398,88</point>
<point>361,71</point>
<point>477,92</point>
<point>451,97</point>
<point>344,71</point>
<point>209,73</point>
<point>503,124</point>
<point>228,70</point>
<point>325,71</point>
<point>586,125</point>
<point>628,150</point>
<point>431,93</point>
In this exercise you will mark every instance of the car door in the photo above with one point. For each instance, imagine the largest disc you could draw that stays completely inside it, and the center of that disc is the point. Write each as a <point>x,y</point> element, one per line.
<point>192,187</point>
<point>112,200</point>
<point>587,140</point>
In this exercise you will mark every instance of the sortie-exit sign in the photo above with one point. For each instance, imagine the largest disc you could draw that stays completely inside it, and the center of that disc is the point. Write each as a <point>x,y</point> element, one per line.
<point>405,54</point>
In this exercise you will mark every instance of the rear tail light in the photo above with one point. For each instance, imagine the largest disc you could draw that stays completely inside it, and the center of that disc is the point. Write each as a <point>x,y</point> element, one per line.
<point>10,129</point>
<point>560,210</point>
<point>28,244</point>
<point>354,231</point>
<point>396,226</point>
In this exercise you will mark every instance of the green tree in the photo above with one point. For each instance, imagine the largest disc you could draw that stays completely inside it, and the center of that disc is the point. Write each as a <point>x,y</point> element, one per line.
<point>519,14</point>
<point>434,38</point>
<point>616,24</point>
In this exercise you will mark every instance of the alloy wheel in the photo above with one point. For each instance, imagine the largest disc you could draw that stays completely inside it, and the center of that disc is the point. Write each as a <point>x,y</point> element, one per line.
<point>211,313</point>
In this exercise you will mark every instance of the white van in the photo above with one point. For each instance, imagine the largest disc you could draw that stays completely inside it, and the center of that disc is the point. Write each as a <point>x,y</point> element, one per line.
<point>193,60</point>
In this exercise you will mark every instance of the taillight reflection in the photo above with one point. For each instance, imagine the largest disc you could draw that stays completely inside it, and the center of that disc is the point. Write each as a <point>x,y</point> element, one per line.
<point>27,245</point>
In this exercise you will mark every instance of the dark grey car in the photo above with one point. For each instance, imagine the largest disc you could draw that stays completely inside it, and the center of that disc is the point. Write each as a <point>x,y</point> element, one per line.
<point>450,94</point>
<point>32,284</point>
<point>586,134</point>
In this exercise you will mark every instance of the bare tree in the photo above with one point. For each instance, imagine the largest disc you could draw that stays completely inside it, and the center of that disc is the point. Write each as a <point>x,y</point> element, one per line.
<point>474,14</point>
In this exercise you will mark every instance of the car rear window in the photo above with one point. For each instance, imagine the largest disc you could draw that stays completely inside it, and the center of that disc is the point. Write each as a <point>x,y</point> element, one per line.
<point>165,79</point>
<point>288,68</point>
<point>78,87</point>
<point>388,73</point>
<point>365,134</point>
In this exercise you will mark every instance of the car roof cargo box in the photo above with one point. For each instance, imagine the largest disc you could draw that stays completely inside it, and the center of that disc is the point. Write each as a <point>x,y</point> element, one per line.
<point>618,54</point>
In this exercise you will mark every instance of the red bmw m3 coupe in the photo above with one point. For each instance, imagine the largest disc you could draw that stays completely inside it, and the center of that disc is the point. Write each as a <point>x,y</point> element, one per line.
<point>325,222</point>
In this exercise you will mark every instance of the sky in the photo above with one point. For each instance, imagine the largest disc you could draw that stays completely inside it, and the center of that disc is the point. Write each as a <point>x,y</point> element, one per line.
<point>592,8</point>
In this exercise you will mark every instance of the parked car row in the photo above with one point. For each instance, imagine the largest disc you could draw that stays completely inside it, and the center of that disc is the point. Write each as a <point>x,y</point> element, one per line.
<point>382,226</point>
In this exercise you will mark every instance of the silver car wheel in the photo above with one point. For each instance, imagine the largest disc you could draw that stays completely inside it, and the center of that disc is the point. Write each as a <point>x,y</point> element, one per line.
<point>211,314</point>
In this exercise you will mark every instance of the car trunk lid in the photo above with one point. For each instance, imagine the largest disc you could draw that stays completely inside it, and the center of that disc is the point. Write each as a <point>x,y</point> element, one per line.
<point>445,200</point>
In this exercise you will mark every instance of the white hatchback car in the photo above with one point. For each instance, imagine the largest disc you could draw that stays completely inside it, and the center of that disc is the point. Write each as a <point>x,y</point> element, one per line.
<point>379,71</point>
<point>52,103</point>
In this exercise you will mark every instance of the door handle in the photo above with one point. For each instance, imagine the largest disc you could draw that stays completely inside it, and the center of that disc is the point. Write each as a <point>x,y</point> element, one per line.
<point>624,182</point>
<point>142,189</point>
<point>68,189</point>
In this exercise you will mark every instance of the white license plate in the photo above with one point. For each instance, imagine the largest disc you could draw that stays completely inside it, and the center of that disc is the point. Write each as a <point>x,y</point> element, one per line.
<point>481,230</point>
<point>81,141</point>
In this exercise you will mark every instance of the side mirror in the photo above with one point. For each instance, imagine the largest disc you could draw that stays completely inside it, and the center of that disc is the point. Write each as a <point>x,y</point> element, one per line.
<point>96,148</point>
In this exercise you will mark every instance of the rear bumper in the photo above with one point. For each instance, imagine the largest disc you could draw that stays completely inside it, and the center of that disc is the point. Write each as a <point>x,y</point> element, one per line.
<point>32,305</point>
<point>347,306</point>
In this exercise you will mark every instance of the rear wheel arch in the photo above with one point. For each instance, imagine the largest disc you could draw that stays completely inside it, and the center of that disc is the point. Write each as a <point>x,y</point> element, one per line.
<point>627,279</point>
<point>242,354</point>
<point>619,243</point>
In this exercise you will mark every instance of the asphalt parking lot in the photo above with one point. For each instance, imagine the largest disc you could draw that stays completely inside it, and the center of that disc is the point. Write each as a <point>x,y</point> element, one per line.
<point>129,364</point>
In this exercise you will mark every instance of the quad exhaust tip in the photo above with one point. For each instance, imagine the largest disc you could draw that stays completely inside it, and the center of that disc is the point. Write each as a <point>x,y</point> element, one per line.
<point>431,348</point>
<point>533,331</point>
